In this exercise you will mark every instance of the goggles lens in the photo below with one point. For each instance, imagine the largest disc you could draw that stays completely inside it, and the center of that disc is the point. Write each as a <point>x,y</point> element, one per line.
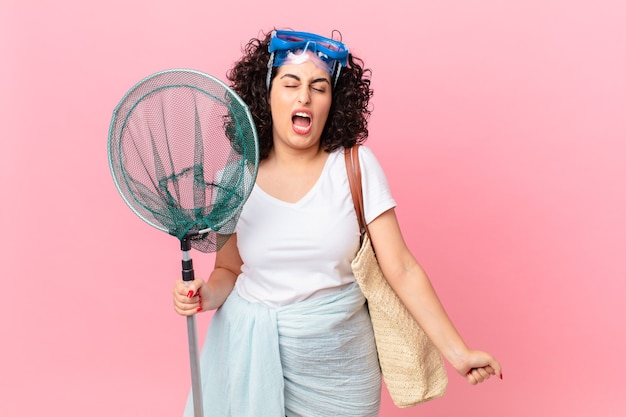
<point>300,42</point>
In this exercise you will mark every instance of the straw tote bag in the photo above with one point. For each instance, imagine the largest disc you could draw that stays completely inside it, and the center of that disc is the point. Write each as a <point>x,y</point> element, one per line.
<point>411,365</point>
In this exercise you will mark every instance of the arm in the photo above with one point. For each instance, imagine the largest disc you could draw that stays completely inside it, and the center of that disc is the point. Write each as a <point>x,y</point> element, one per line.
<point>413,287</point>
<point>190,298</point>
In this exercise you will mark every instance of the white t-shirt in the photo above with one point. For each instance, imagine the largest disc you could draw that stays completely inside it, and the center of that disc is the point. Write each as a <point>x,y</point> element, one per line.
<point>295,251</point>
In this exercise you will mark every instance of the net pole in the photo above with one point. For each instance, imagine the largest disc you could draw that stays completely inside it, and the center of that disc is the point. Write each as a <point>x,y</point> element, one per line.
<point>196,387</point>
<point>194,361</point>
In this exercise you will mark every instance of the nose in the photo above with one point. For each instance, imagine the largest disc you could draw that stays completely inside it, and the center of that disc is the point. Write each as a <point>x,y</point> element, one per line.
<point>304,95</point>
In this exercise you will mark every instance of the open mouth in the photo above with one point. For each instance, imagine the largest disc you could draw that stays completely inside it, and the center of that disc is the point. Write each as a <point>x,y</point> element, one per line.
<point>301,122</point>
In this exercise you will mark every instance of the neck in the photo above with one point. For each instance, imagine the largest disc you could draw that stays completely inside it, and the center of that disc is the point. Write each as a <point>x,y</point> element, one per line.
<point>290,157</point>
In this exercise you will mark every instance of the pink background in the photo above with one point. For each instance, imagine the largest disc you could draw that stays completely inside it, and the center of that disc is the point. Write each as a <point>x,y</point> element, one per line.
<point>501,125</point>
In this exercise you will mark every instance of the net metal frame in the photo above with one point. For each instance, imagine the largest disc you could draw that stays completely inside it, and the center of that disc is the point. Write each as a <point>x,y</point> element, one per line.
<point>208,207</point>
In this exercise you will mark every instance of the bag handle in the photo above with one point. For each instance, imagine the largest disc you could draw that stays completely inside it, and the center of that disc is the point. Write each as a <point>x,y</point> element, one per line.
<point>353,167</point>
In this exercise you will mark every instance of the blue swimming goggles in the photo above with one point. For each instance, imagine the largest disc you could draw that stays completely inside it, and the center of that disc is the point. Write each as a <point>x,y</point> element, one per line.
<point>286,46</point>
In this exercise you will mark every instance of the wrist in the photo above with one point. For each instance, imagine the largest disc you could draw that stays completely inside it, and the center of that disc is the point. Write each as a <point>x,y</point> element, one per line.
<point>457,356</point>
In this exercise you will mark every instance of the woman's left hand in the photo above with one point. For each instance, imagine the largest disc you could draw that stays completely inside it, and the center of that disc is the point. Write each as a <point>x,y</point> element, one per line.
<point>479,366</point>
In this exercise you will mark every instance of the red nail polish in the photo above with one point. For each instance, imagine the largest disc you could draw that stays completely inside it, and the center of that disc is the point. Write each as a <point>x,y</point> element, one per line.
<point>190,294</point>
<point>501,375</point>
<point>200,308</point>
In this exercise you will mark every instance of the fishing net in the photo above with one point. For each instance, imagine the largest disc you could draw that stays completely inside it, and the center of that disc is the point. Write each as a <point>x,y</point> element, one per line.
<point>183,152</point>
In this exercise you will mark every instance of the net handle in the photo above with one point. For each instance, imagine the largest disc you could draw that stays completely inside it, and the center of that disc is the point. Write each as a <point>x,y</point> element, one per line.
<point>192,333</point>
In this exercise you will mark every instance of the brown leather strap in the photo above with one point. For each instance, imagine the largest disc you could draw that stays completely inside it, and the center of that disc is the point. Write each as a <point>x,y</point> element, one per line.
<point>353,168</point>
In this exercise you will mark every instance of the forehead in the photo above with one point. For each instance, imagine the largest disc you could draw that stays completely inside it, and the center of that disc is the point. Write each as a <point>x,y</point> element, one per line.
<point>304,71</point>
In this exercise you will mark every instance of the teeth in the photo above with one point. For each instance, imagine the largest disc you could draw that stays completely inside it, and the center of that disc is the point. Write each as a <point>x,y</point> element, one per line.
<point>303,115</point>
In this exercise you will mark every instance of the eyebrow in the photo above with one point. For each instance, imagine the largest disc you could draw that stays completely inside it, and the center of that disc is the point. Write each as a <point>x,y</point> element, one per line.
<point>295,77</point>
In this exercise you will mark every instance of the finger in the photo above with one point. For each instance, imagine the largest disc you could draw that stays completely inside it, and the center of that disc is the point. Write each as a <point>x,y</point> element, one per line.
<point>183,310</point>
<point>484,375</point>
<point>180,289</point>
<point>188,288</point>
<point>478,375</point>
<point>186,312</point>
<point>186,301</point>
<point>186,306</point>
<point>489,369</point>
<point>183,297</point>
<point>199,302</point>
<point>470,378</point>
<point>497,368</point>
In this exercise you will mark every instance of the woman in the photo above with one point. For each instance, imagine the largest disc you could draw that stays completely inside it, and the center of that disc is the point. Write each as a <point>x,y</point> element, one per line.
<point>291,334</point>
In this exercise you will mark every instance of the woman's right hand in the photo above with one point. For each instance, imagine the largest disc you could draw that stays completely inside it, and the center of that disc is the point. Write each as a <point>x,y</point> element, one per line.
<point>188,296</point>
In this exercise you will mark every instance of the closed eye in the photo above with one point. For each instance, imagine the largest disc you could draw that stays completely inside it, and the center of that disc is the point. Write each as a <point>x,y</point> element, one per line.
<point>320,84</point>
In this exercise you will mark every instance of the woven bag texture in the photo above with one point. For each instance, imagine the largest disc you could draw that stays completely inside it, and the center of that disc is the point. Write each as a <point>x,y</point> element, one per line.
<point>411,365</point>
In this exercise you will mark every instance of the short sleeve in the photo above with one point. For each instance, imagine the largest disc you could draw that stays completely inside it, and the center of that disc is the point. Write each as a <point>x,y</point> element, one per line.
<point>376,192</point>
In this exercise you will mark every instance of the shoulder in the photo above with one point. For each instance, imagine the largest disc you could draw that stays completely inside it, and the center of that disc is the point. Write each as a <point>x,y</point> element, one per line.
<point>366,152</point>
<point>368,160</point>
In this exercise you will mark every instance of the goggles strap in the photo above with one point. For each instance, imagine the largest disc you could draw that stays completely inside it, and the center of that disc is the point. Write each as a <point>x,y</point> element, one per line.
<point>336,71</point>
<point>270,65</point>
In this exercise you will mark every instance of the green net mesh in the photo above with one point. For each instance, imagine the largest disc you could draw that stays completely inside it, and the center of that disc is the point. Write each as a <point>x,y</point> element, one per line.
<point>183,152</point>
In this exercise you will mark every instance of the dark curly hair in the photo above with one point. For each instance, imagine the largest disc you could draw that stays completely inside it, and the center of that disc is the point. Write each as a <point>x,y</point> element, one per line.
<point>349,111</point>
